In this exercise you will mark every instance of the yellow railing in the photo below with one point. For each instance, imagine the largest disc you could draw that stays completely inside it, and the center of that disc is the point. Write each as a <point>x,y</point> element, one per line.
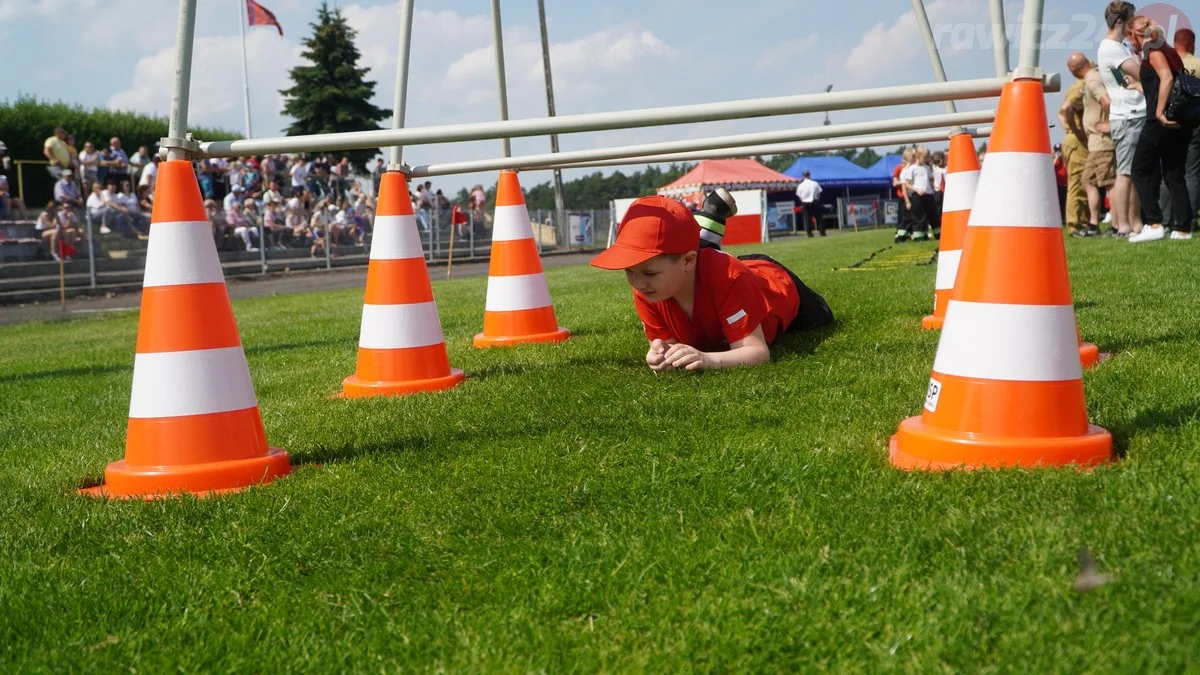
<point>21,174</point>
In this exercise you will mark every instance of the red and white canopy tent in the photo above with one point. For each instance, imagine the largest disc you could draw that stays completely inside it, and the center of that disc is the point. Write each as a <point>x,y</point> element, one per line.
<point>748,182</point>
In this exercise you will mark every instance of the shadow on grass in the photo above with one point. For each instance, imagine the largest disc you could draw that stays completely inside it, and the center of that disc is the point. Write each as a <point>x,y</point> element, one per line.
<point>1163,418</point>
<point>80,371</point>
<point>288,346</point>
<point>429,448</point>
<point>1126,343</point>
<point>804,343</point>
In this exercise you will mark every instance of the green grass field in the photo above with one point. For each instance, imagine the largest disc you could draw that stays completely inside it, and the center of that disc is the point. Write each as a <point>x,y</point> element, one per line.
<point>566,510</point>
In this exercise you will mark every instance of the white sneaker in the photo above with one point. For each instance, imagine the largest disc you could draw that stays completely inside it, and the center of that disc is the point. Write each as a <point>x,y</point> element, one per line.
<point>1178,236</point>
<point>251,249</point>
<point>1148,234</point>
<point>104,230</point>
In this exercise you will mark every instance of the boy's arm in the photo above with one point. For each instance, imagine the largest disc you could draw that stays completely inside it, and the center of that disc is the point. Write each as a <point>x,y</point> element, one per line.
<point>748,351</point>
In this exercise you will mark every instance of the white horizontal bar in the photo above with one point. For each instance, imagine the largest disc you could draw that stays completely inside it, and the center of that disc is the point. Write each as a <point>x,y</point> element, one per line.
<point>400,326</point>
<point>396,238</point>
<point>1016,189</point>
<point>960,191</point>
<point>511,223</point>
<point>1020,343</point>
<point>510,294</point>
<point>778,148</point>
<point>947,269</point>
<point>784,136</point>
<point>647,117</point>
<point>182,252</point>
<point>175,384</point>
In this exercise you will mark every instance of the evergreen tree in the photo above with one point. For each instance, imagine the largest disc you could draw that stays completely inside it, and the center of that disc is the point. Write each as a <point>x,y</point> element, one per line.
<point>332,95</point>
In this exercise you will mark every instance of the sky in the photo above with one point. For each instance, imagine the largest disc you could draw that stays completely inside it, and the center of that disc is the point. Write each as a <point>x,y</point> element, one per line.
<point>613,55</point>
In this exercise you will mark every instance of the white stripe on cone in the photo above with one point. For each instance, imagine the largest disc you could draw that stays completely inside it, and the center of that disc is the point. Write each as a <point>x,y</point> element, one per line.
<point>960,191</point>
<point>182,252</point>
<point>1018,190</point>
<point>947,269</point>
<point>396,238</point>
<point>511,223</point>
<point>400,326</point>
<point>1026,343</point>
<point>217,381</point>
<point>510,294</point>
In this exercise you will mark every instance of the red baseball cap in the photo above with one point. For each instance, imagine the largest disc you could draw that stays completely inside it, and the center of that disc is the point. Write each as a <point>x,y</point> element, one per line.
<point>651,226</point>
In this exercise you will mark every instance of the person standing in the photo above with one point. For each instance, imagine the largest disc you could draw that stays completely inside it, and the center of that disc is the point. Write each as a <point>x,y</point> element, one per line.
<point>939,191</point>
<point>904,217</point>
<point>1163,148</point>
<point>119,169</point>
<point>809,194</point>
<point>1127,113</point>
<point>56,152</point>
<point>1100,171</point>
<point>1075,145</point>
<point>1185,44</point>
<point>918,193</point>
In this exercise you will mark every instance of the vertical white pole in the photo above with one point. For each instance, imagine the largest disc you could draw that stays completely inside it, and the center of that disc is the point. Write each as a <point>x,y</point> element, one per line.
<point>245,69</point>
<point>402,57</point>
<point>1031,34</point>
<point>498,41</point>
<point>999,38</point>
<point>560,210</point>
<point>177,122</point>
<point>935,58</point>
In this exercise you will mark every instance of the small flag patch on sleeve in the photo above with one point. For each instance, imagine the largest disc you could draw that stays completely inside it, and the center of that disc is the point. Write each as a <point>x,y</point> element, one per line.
<point>741,314</point>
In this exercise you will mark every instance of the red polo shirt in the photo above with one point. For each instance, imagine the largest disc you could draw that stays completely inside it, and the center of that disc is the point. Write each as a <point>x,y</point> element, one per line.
<point>732,298</point>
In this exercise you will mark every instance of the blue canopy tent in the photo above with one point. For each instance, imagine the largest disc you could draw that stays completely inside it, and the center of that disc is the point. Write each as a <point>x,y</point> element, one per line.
<point>886,167</point>
<point>839,177</point>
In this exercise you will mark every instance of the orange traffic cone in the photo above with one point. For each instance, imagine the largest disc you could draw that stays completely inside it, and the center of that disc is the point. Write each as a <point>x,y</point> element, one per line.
<point>518,308</point>
<point>962,176</point>
<point>401,349</point>
<point>194,424</point>
<point>1007,385</point>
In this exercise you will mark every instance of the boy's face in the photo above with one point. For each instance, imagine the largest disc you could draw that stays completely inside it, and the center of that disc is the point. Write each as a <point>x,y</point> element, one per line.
<point>661,277</point>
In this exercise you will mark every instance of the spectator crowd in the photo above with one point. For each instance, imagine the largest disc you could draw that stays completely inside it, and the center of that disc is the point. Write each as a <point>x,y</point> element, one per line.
<point>274,201</point>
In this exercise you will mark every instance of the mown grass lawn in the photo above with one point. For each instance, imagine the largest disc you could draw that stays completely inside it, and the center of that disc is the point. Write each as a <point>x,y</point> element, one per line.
<point>566,510</point>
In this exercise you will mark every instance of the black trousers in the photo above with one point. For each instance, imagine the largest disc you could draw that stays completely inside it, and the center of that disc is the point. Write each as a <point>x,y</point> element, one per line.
<point>814,311</point>
<point>810,214</point>
<point>1162,154</point>
<point>919,213</point>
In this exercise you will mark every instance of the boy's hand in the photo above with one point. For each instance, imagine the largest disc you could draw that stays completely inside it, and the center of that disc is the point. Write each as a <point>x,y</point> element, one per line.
<point>655,357</point>
<point>686,357</point>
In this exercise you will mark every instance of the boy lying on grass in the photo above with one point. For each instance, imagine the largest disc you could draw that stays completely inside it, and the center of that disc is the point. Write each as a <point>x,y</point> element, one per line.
<point>701,307</point>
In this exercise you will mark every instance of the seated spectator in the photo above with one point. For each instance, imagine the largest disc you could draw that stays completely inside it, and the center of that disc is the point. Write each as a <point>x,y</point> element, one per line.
<point>296,223</point>
<point>97,208</point>
<point>237,194</point>
<point>66,190</point>
<point>272,194</point>
<point>57,221</point>
<point>272,226</point>
<point>47,225</point>
<point>221,230</point>
<point>243,229</point>
<point>140,222</point>
<point>149,176</point>
<point>118,216</point>
<point>138,161</point>
<point>145,198</point>
<point>9,204</point>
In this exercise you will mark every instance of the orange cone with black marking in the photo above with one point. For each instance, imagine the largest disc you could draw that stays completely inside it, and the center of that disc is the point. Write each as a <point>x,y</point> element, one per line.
<point>401,349</point>
<point>1007,383</point>
<point>962,177</point>
<point>194,424</point>
<point>518,308</point>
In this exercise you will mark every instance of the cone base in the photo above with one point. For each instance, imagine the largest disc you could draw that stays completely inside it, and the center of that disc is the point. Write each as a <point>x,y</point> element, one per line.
<point>917,446</point>
<point>122,481</point>
<point>1089,354</point>
<point>932,322</point>
<point>352,387</point>
<point>484,341</point>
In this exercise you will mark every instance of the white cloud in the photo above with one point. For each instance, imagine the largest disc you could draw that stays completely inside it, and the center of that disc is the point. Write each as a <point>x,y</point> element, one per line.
<point>216,97</point>
<point>787,53</point>
<point>888,48</point>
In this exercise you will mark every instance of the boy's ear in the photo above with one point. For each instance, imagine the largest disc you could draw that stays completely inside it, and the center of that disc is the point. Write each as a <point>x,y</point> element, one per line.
<point>690,257</point>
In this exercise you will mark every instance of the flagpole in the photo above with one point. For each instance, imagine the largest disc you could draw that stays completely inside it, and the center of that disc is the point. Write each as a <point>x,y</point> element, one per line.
<point>245,70</point>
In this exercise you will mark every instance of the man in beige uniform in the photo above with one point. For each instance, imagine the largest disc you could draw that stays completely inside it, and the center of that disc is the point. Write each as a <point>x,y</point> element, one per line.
<point>1100,172</point>
<point>1075,145</point>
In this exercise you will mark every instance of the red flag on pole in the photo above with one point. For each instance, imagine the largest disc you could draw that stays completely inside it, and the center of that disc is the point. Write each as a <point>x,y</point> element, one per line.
<point>261,16</point>
<point>65,250</point>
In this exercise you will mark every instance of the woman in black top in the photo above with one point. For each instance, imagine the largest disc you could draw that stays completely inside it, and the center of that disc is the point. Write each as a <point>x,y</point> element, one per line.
<point>1163,147</point>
